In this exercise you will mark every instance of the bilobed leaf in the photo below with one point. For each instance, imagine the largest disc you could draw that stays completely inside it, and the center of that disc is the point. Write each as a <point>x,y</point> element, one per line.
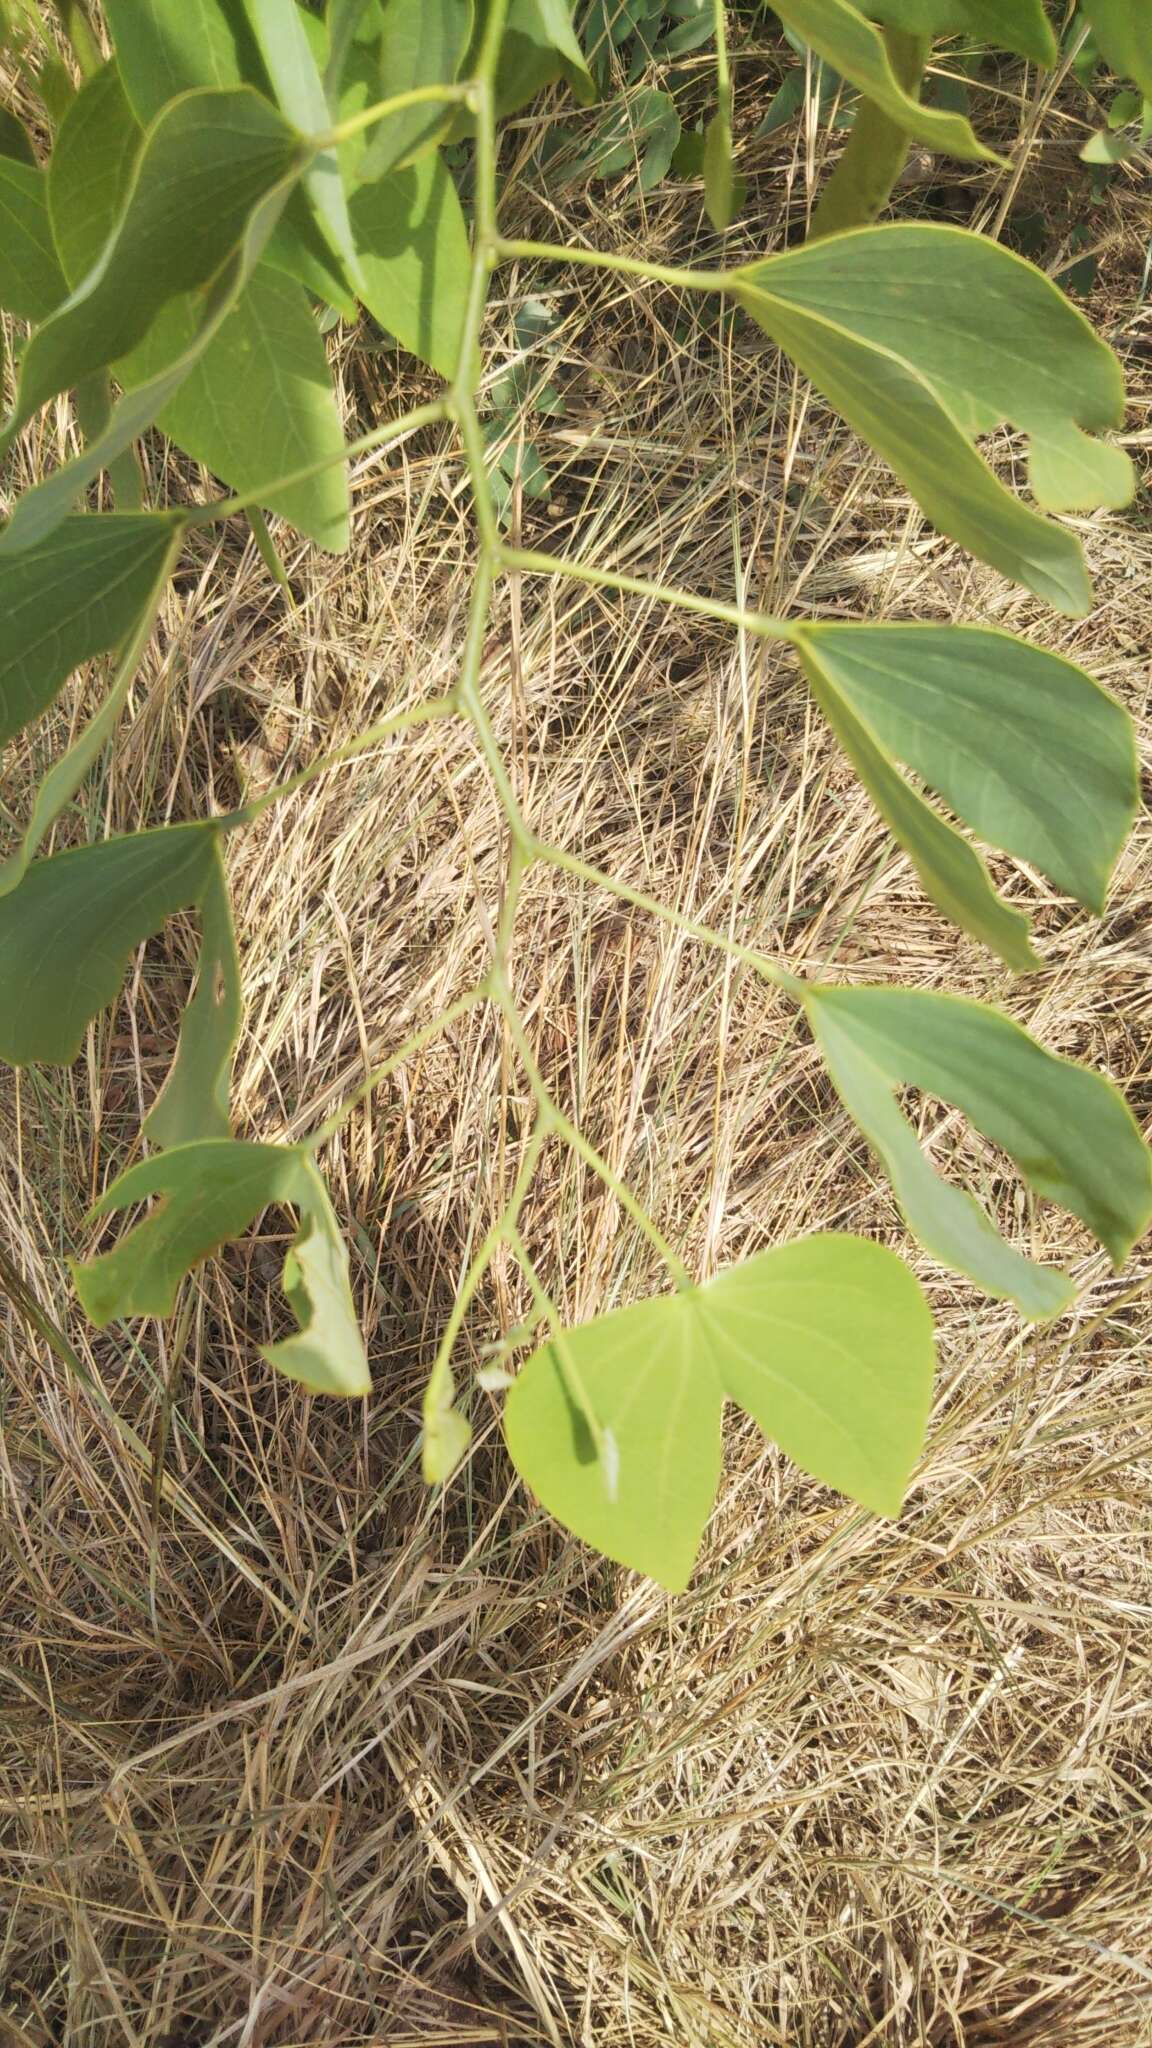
<point>826,1343</point>
<point>77,594</point>
<point>68,931</point>
<point>845,38</point>
<point>1123,31</point>
<point>31,280</point>
<point>257,403</point>
<point>925,337</point>
<point>203,169</point>
<point>1067,1128</point>
<point>419,42</point>
<point>952,873</point>
<point>1018,25</point>
<point>413,245</point>
<point>298,88</point>
<point>210,1192</point>
<point>1027,748</point>
<point>194,1102</point>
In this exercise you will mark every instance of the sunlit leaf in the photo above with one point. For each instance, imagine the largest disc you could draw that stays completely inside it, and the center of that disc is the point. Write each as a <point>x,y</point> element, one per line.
<point>719,176</point>
<point>924,337</point>
<point>69,930</point>
<point>210,1193</point>
<point>31,281</point>
<point>203,169</point>
<point>74,596</point>
<point>826,1343</point>
<point>844,37</point>
<point>90,170</point>
<point>194,1102</point>
<point>1067,1128</point>
<point>414,255</point>
<point>1027,748</point>
<point>952,873</point>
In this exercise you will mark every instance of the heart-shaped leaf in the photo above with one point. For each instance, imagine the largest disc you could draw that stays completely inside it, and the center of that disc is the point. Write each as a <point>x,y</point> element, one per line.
<point>826,1343</point>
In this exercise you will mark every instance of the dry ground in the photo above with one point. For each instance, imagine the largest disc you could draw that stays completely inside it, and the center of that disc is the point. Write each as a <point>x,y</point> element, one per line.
<point>293,1752</point>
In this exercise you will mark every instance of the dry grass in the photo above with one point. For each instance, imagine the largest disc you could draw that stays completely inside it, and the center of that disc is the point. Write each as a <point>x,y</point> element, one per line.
<point>293,1752</point>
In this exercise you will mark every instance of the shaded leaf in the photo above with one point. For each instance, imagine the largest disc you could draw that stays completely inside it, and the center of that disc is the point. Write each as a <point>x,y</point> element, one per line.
<point>1027,748</point>
<point>76,595</point>
<point>538,45</point>
<point>90,171</point>
<point>419,42</point>
<point>1018,25</point>
<point>719,176</point>
<point>1123,33</point>
<point>414,254</point>
<point>299,91</point>
<point>69,929</point>
<point>164,49</point>
<point>827,1343</point>
<point>203,169</point>
<point>843,36</point>
<point>211,1191</point>
<point>194,1102</point>
<point>31,280</point>
<point>1067,1128</point>
<point>15,141</point>
<point>257,403</point>
<point>925,337</point>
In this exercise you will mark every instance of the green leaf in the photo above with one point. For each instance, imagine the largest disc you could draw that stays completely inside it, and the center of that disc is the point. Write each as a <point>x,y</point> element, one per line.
<point>847,40</point>
<point>211,1191</point>
<point>90,171</point>
<point>39,510</point>
<point>31,281</point>
<point>76,595</point>
<point>299,90</point>
<point>826,1343</point>
<point>70,928</point>
<point>204,167</point>
<point>1067,1128</point>
<point>414,255</point>
<point>924,337</point>
<point>1018,25</point>
<point>538,45</point>
<point>15,141</point>
<point>194,1102</point>
<point>719,176</point>
<point>1027,748</point>
<point>167,47</point>
<point>257,403</point>
<point>69,769</point>
<point>1123,31</point>
<point>952,874</point>
<point>420,42</point>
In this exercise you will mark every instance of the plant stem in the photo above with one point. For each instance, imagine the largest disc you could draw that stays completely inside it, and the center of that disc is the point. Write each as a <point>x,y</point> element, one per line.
<point>416,96</point>
<point>416,1043</point>
<point>768,970</point>
<point>626,266</point>
<point>760,623</point>
<point>874,153</point>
